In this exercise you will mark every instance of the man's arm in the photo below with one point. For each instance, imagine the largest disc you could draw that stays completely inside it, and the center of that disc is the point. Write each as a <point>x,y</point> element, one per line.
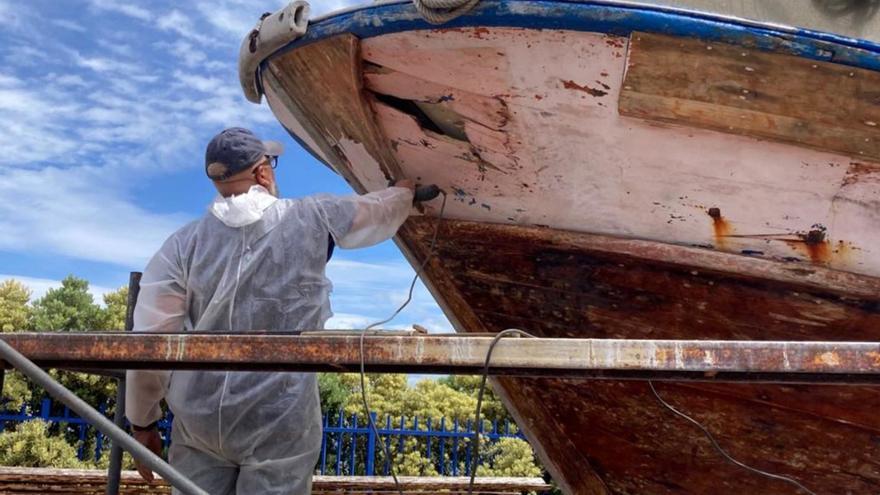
<point>161,307</point>
<point>372,218</point>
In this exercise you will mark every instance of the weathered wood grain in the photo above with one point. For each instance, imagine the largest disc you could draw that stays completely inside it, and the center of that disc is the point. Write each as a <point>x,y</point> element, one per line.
<point>742,90</point>
<point>591,170</point>
<point>15,481</point>
<point>330,72</point>
<point>543,281</point>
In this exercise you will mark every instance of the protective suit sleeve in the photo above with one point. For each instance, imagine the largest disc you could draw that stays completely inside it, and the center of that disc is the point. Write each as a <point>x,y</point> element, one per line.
<point>360,221</point>
<point>161,307</point>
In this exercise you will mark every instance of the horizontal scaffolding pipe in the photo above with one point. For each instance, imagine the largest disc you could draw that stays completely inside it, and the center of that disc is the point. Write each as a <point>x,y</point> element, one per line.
<point>703,360</point>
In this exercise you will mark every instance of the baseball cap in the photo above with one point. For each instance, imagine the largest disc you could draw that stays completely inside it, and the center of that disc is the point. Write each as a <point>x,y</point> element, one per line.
<point>235,149</point>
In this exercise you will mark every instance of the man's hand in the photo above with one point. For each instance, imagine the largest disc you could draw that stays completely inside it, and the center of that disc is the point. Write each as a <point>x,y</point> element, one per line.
<point>151,440</point>
<point>407,183</point>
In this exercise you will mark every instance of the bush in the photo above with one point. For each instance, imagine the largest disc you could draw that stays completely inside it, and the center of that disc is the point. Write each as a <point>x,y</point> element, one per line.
<point>31,445</point>
<point>511,457</point>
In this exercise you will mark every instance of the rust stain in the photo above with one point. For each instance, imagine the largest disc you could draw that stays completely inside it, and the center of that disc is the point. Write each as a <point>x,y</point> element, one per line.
<point>720,225</point>
<point>479,32</point>
<point>614,41</point>
<point>829,359</point>
<point>817,244</point>
<point>843,249</point>
<point>857,172</point>
<point>584,88</point>
<point>813,244</point>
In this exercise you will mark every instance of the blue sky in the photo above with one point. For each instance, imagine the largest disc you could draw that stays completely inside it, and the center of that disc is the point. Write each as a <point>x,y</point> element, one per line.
<point>105,109</point>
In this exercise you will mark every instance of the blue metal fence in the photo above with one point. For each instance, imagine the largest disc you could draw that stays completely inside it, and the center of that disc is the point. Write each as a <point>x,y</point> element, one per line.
<point>83,430</point>
<point>349,446</point>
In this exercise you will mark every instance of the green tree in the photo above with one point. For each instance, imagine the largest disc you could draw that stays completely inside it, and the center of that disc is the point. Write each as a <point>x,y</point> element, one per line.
<point>14,316</point>
<point>333,393</point>
<point>113,313</point>
<point>385,394</point>
<point>16,391</point>
<point>32,445</point>
<point>70,308</point>
<point>434,399</point>
<point>492,408</point>
<point>14,311</point>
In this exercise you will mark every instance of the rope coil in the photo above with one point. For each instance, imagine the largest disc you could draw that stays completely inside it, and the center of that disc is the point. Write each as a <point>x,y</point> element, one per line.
<point>443,11</point>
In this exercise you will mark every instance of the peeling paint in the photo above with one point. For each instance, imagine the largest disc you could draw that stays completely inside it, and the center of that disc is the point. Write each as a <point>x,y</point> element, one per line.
<point>586,89</point>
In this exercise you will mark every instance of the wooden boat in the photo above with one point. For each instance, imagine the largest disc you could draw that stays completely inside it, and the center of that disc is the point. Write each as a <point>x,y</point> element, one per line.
<point>625,170</point>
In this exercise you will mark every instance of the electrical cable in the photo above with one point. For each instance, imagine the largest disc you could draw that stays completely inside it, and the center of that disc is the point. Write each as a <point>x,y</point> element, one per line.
<point>364,401</point>
<point>724,453</point>
<point>484,379</point>
<point>475,459</point>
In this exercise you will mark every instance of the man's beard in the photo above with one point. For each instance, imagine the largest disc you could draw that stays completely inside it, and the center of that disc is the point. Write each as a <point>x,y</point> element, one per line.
<point>274,190</point>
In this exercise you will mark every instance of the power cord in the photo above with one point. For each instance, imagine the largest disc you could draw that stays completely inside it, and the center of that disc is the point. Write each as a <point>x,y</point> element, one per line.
<point>724,453</point>
<point>365,402</point>
<point>475,459</point>
<point>485,376</point>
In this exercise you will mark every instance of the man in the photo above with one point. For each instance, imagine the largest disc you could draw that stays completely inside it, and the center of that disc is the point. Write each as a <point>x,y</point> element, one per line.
<point>252,262</point>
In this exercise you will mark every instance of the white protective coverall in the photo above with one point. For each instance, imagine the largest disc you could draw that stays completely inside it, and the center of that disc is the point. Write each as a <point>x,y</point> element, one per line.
<point>253,262</point>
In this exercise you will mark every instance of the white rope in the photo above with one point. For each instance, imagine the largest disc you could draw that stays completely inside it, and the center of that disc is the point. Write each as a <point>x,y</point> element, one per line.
<point>443,11</point>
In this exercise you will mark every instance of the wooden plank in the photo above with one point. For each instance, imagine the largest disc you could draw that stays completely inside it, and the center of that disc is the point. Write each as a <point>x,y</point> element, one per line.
<point>742,90</point>
<point>17,480</point>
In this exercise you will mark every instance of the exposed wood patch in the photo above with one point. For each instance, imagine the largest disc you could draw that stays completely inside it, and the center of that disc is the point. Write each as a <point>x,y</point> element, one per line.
<point>555,283</point>
<point>330,71</point>
<point>490,112</point>
<point>747,91</point>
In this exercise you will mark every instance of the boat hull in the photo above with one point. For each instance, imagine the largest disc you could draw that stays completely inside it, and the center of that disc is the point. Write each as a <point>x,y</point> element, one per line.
<point>590,195</point>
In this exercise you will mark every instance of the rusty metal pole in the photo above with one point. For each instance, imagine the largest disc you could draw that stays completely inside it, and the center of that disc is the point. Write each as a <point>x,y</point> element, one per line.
<point>99,421</point>
<point>114,470</point>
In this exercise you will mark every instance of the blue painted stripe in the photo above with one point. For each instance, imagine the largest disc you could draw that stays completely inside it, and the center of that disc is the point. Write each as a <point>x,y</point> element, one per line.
<point>594,16</point>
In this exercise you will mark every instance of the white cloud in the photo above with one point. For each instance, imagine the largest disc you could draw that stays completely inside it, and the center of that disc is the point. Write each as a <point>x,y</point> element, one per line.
<point>77,212</point>
<point>39,286</point>
<point>123,8</point>
<point>346,321</point>
<point>177,22</point>
<point>70,80</point>
<point>10,15</point>
<point>364,293</point>
<point>322,7</point>
<point>32,128</point>
<point>104,64</point>
<point>235,17</point>
<point>23,55</point>
<point>68,24</point>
